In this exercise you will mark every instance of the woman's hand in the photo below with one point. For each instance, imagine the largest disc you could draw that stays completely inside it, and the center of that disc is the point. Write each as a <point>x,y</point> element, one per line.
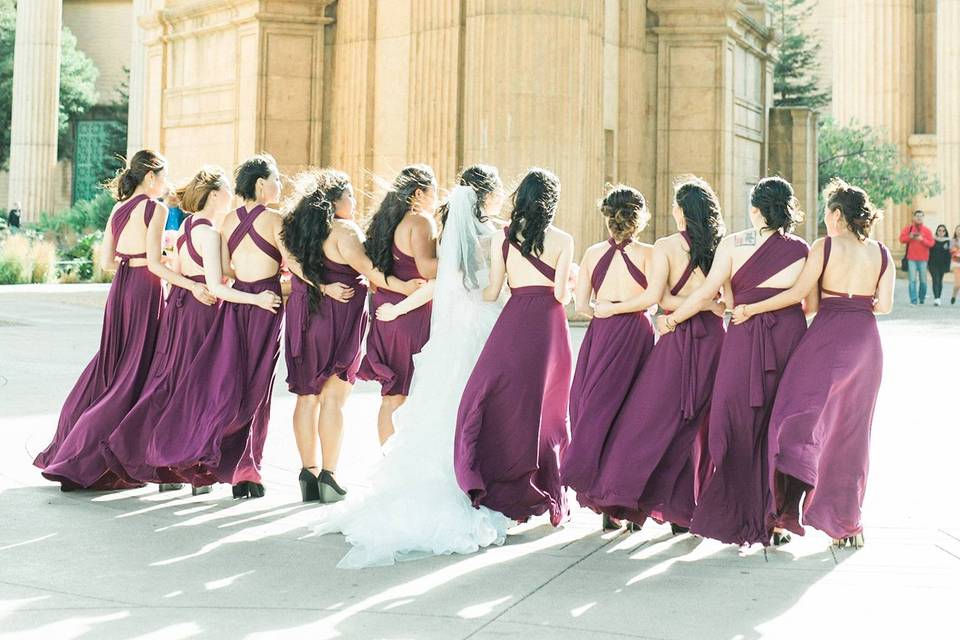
<point>337,291</point>
<point>719,308</point>
<point>202,294</point>
<point>410,286</point>
<point>741,313</point>
<point>387,312</point>
<point>572,277</point>
<point>664,326</point>
<point>269,301</point>
<point>602,309</point>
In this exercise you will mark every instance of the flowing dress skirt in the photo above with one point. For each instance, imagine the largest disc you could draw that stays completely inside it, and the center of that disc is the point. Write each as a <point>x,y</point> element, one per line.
<point>611,357</point>
<point>821,422</point>
<point>732,506</point>
<point>392,345</point>
<point>326,342</point>
<point>653,462</point>
<point>215,428</point>
<point>110,385</point>
<point>512,420</point>
<point>185,324</point>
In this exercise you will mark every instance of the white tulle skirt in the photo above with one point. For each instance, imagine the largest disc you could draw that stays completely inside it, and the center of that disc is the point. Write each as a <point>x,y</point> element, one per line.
<point>414,507</point>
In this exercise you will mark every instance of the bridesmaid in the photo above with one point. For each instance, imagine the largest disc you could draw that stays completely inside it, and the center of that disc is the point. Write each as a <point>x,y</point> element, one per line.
<point>325,323</point>
<point>649,461</point>
<point>213,430</point>
<point>401,241</point>
<point>512,422</point>
<point>113,381</point>
<point>821,422</point>
<point>185,324</point>
<point>614,347</point>
<point>750,265</point>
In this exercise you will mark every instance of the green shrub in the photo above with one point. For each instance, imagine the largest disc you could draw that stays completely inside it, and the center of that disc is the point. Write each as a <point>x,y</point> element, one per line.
<point>16,264</point>
<point>85,216</point>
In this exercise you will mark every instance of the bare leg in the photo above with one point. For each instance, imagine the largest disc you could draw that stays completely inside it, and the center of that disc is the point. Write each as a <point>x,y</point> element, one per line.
<point>305,417</point>
<point>332,398</point>
<point>388,405</point>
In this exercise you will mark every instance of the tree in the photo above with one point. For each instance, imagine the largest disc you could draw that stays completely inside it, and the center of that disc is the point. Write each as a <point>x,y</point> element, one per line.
<point>78,77</point>
<point>861,155</point>
<point>796,74</point>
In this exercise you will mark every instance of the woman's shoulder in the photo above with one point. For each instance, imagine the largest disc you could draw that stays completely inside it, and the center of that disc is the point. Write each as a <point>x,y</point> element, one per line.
<point>557,234</point>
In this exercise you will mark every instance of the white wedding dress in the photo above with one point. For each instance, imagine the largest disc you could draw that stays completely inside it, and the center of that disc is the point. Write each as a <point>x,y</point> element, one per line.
<point>414,507</point>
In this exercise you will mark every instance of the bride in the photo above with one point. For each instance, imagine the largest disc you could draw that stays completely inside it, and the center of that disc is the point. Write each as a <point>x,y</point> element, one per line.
<point>414,507</point>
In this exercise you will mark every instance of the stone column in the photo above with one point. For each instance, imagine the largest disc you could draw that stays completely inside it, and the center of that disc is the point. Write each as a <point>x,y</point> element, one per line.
<point>137,85</point>
<point>874,78</point>
<point>532,96</point>
<point>792,153</point>
<point>948,120</point>
<point>713,92</point>
<point>36,106</point>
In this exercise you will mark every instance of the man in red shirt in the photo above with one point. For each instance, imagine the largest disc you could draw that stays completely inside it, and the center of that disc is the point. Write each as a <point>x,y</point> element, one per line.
<point>918,239</point>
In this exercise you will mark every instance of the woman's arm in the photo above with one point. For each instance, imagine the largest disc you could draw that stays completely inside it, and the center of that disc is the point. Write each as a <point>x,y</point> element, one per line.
<point>561,290</point>
<point>108,248</point>
<point>706,292</point>
<point>801,291</point>
<point>156,266</point>
<point>584,289</point>
<point>350,246</point>
<point>210,251</point>
<point>387,312</point>
<point>498,269</point>
<point>884,303</point>
<point>423,243</point>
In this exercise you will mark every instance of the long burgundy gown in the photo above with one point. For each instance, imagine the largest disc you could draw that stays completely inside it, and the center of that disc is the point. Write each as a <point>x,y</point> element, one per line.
<point>113,381</point>
<point>652,461</point>
<point>392,345</point>
<point>185,323</point>
<point>213,429</point>
<point>613,352</point>
<point>733,502</point>
<point>822,418</point>
<point>512,421</point>
<point>326,342</point>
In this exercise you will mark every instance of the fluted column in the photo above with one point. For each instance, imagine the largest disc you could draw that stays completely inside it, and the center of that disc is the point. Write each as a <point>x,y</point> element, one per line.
<point>873,77</point>
<point>36,106</point>
<point>948,120</point>
<point>137,86</point>
<point>532,96</point>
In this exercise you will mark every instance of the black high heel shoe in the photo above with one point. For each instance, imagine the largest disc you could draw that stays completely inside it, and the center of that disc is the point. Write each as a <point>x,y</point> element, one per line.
<point>247,489</point>
<point>309,485</point>
<point>610,523</point>
<point>781,538</point>
<point>199,491</point>
<point>330,491</point>
<point>676,529</point>
<point>169,486</point>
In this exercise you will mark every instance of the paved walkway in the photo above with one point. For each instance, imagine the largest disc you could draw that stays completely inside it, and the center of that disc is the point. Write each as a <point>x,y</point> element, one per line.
<point>149,565</point>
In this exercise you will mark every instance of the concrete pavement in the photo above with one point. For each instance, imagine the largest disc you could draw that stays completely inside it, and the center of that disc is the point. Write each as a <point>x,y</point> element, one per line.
<point>148,565</point>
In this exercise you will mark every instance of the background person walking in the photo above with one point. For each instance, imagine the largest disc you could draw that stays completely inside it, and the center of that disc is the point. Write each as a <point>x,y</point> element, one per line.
<point>918,239</point>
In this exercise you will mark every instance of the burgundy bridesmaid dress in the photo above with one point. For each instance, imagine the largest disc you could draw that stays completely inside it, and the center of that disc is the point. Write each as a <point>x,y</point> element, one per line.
<point>512,422</point>
<point>821,422</point>
<point>185,323</point>
<point>733,502</point>
<point>392,345</point>
<point>652,463</point>
<point>214,426</point>
<point>613,352</point>
<point>113,381</point>
<point>326,342</point>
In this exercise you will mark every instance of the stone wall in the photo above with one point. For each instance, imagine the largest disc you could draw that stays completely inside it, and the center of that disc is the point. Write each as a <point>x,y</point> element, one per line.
<point>793,155</point>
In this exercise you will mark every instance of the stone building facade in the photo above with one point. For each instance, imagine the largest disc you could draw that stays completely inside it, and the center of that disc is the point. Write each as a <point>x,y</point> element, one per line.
<point>634,91</point>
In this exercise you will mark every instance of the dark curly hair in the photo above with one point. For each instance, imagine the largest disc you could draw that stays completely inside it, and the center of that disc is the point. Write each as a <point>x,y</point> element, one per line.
<point>534,207</point>
<point>854,204</point>
<point>773,196</point>
<point>308,225</point>
<point>193,195</point>
<point>484,180</point>
<point>625,210</point>
<point>703,218</point>
<point>395,205</point>
<point>247,174</point>
<point>128,179</point>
